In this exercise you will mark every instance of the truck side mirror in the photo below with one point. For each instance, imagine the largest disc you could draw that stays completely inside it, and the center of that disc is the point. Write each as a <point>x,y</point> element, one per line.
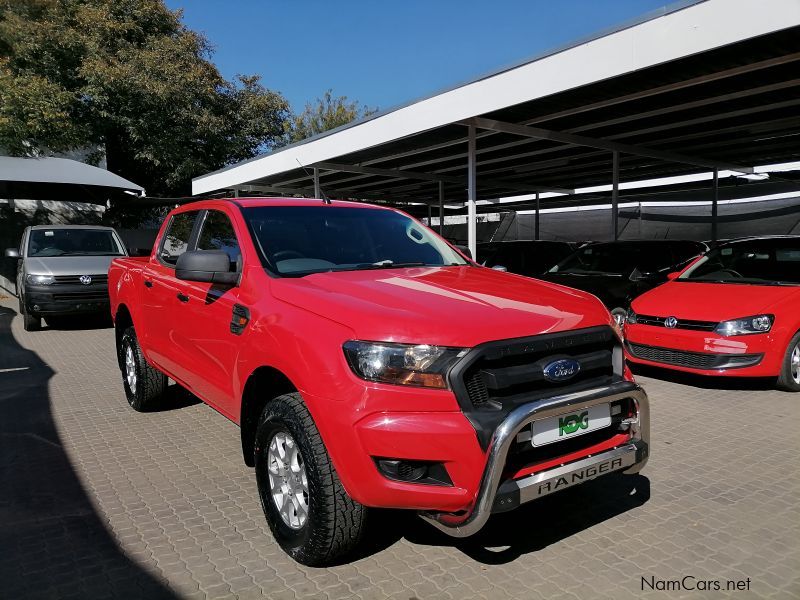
<point>206,266</point>
<point>12,253</point>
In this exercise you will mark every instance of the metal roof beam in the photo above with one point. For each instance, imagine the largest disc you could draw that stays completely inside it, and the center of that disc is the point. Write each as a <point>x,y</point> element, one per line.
<point>582,140</point>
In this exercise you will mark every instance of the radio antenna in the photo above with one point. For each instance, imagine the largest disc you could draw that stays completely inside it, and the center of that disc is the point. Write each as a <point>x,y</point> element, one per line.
<point>325,199</point>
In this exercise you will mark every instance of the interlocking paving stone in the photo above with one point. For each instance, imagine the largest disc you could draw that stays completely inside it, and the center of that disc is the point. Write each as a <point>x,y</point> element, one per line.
<point>99,501</point>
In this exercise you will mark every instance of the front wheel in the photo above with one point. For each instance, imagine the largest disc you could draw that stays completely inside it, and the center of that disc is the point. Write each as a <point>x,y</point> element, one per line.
<point>144,384</point>
<point>307,508</point>
<point>789,379</point>
<point>29,322</point>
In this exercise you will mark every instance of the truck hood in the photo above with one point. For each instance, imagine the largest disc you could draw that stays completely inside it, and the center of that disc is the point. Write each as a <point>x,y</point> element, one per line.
<point>68,265</point>
<point>450,306</point>
<point>711,301</point>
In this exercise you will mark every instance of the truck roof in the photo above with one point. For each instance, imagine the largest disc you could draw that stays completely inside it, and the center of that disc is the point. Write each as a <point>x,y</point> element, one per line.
<point>252,202</point>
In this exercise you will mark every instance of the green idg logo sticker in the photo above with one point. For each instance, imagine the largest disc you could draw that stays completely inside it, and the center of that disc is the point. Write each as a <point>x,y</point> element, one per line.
<point>571,423</point>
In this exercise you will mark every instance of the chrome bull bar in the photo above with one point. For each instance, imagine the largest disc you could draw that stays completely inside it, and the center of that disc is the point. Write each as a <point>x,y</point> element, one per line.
<point>629,458</point>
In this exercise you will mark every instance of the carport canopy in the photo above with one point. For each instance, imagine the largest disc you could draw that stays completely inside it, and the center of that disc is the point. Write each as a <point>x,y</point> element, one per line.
<point>698,86</point>
<point>50,178</point>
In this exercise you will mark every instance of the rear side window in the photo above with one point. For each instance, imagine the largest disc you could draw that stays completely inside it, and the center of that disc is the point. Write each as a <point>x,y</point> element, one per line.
<point>177,236</point>
<point>217,234</point>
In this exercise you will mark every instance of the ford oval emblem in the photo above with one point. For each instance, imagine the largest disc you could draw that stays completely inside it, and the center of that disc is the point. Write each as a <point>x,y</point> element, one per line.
<point>561,370</point>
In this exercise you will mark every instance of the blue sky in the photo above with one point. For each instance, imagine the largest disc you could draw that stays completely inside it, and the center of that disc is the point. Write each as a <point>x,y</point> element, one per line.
<point>385,53</point>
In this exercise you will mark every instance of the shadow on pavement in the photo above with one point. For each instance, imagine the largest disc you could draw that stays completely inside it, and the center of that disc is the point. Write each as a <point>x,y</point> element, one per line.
<point>78,322</point>
<point>705,381</point>
<point>52,542</point>
<point>530,528</point>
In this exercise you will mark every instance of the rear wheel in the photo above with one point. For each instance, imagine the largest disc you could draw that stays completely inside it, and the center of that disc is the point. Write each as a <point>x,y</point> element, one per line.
<point>307,508</point>
<point>789,379</point>
<point>144,384</point>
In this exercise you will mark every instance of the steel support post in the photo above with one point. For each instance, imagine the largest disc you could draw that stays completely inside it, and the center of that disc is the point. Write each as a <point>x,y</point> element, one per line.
<point>441,207</point>
<point>714,207</point>
<point>472,194</point>
<point>536,219</point>
<point>317,192</point>
<point>615,195</point>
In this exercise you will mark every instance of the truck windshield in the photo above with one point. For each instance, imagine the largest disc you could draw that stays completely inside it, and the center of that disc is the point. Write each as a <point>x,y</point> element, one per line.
<point>774,261</point>
<point>300,240</point>
<point>73,242</point>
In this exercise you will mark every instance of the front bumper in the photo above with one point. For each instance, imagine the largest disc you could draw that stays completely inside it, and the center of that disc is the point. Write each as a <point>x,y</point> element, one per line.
<point>61,299</point>
<point>705,352</point>
<point>496,495</point>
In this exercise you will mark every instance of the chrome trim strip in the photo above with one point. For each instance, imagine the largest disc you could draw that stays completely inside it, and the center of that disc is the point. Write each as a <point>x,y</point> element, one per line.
<point>469,523</point>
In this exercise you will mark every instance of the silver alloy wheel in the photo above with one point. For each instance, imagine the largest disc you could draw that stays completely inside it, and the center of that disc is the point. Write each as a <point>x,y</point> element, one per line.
<point>794,366</point>
<point>130,369</point>
<point>287,480</point>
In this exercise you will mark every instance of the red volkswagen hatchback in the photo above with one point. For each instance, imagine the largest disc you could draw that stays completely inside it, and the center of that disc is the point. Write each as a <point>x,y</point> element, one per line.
<point>735,311</point>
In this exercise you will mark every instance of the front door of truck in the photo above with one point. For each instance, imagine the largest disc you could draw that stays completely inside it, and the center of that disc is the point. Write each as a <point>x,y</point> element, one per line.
<point>163,296</point>
<point>210,351</point>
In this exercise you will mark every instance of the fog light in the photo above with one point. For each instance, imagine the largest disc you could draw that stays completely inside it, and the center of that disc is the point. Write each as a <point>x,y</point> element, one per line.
<point>413,471</point>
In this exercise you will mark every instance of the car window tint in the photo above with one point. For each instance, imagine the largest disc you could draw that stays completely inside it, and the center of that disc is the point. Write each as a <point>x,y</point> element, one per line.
<point>217,234</point>
<point>176,239</point>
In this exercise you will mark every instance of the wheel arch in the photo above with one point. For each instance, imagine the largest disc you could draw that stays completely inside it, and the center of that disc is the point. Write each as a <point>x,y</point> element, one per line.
<point>122,320</point>
<point>264,384</point>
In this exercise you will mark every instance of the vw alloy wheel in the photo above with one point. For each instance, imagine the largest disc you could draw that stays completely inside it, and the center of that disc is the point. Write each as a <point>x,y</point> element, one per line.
<point>287,479</point>
<point>795,364</point>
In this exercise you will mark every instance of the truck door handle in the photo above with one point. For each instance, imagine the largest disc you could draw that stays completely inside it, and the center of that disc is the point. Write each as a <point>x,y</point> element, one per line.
<point>183,297</point>
<point>148,283</point>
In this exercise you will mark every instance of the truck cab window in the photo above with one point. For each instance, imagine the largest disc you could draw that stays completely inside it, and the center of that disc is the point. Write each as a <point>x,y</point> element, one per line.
<point>176,239</point>
<point>217,234</point>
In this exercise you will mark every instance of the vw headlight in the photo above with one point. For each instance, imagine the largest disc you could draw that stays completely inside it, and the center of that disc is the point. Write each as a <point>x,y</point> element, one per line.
<point>745,326</point>
<point>39,279</point>
<point>402,364</point>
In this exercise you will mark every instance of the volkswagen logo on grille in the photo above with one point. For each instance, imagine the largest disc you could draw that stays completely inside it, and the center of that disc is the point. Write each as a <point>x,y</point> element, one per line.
<point>85,279</point>
<point>561,370</point>
<point>670,322</point>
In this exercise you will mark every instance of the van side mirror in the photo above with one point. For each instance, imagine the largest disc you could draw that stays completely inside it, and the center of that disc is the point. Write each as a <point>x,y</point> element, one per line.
<point>464,250</point>
<point>673,276</point>
<point>12,253</point>
<point>206,266</point>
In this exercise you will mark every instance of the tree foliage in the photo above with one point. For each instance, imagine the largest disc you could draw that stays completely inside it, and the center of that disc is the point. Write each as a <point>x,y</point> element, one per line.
<point>325,113</point>
<point>127,77</point>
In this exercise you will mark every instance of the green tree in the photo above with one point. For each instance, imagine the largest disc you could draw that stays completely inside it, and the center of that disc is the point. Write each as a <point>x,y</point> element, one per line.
<point>324,114</point>
<point>127,77</point>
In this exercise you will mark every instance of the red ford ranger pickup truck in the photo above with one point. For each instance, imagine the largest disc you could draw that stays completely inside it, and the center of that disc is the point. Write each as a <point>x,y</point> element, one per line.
<point>370,364</point>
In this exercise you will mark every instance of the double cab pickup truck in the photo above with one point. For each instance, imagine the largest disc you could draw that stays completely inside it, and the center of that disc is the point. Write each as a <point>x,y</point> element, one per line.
<point>369,363</point>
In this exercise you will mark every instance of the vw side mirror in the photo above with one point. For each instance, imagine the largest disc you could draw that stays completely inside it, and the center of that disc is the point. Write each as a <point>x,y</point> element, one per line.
<point>500,268</point>
<point>206,266</point>
<point>673,276</point>
<point>12,253</point>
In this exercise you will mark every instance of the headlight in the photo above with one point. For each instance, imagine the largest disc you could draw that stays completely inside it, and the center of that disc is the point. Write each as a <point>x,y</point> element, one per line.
<point>401,364</point>
<point>630,317</point>
<point>745,326</point>
<point>39,279</point>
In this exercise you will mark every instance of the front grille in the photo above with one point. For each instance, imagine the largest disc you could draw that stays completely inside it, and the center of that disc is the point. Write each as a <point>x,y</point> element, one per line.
<point>89,295</point>
<point>681,324</point>
<point>76,279</point>
<point>693,360</point>
<point>502,375</point>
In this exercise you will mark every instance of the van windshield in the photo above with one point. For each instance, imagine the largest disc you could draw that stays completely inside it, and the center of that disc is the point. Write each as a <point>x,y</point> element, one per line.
<point>301,240</point>
<point>73,242</point>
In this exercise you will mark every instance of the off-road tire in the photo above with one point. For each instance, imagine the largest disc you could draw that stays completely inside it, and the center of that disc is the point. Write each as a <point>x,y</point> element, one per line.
<point>150,383</point>
<point>786,381</point>
<point>335,522</point>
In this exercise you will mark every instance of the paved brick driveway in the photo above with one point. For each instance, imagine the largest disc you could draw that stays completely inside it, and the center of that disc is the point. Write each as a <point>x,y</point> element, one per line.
<point>99,501</point>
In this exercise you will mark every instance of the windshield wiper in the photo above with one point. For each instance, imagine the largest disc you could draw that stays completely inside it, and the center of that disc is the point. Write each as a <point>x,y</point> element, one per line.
<point>389,264</point>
